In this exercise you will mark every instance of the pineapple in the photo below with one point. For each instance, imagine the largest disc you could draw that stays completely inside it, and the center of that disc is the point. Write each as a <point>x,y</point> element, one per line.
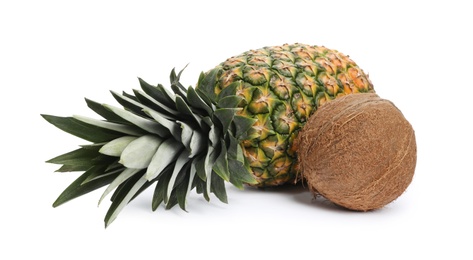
<point>238,125</point>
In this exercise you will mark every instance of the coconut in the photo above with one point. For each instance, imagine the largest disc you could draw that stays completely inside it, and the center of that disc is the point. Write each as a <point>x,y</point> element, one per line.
<point>358,151</point>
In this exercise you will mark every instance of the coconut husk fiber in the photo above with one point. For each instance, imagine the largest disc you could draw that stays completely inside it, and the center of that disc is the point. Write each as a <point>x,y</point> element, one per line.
<point>358,151</point>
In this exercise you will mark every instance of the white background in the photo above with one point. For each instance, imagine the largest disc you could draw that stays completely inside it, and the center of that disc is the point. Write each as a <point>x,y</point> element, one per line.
<point>54,53</point>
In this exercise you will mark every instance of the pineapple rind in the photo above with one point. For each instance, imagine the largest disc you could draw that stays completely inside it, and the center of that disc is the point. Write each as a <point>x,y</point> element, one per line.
<point>281,87</point>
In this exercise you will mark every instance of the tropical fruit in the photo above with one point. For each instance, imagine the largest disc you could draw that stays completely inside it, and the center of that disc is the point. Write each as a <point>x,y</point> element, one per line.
<point>238,125</point>
<point>358,151</point>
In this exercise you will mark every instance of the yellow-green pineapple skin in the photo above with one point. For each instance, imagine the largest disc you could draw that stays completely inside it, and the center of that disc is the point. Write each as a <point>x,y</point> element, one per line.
<point>282,86</point>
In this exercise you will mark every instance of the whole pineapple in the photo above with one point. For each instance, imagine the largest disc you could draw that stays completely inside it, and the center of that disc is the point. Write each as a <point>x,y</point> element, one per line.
<point>238,125</point>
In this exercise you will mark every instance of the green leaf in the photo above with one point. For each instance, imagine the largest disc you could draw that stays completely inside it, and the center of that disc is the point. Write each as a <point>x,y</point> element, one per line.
<point>139,152</point>
<point>240,174</point>
<point>121,200</point>
<point>213,136</point>
<point>200,186</point>
<point>158,93</point>
<point>229,102</point>
<point>141,122</point>
<point>93,147</point>
<point>122,177</point>
<point>175,78</point>
<point>104,112</point>
<point>164,155</point>
<point>160,189</point>
<point>225,116</point>
<point>200,163</point>
<point>168,94</point>
<point>81,156</point>
<point>191,139</point>
<point>172,127</point>
<point>120,128</point>
<point>208,121</point>
<point>242,125</point>
<point>186,135</point>
<point>97,175</point>
<point>184,108</point>
<point>218,188</point>
<point>230,90</point>
<point>190,181</point>
<point>116,146</point>
<point>82,130</point>
<point>203,167</point>
<point>77,189</point>
<point>73,168</point>
<point>181,192</point>
<point>182,160</point>
<point>152,103</point>
<point>129,103</point>
<point>207,85</point>
<point>234,148</point>
<point>180,92</point>
<point>197,102</point>
<point>221,164</point>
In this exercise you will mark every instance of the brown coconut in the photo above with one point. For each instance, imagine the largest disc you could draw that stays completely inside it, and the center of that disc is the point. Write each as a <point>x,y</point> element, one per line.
<point>358,151</point>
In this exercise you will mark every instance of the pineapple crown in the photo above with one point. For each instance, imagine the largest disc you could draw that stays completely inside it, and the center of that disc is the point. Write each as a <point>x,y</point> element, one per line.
<point>178,139</point>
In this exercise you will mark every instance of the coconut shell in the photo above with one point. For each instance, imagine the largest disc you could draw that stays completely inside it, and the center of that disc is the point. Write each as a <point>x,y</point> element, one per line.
<point>358,151</point>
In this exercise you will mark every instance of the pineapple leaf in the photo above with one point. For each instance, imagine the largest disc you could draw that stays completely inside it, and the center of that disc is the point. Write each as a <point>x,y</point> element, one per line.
<point>229,90</point>
<point>181,191</point>
<point>186,135</point>
<point>77,189</point>
<point>207,121</point>
<point>175,79</point>
<point>125,129</point>
<point>201,187</point>
<point>242,125</point>
<point>97,175</point>
<point>160,189</point>
<point>234,149</point>
<point>180,91</point>
<point>164,155</point>
<point>124,196</point>
<point>141,122</point>
<point>167,94</point>
<point>158,93</point>
<point>190,180</point>
<point>196,101</point>
<point>93,147</point>
<point>116,146</point>
<point>122,177</point>
<point>229,102</point>
<point>180,162</point>
<point>157,106</point>
<point>129,103</point>
<point>207,85</point>
<point>221,164</point>
<point>105,113</point>
<point>82,130</point>
<point>218,188</point>
<point>240,174</point>
<point>81,156</point>
<point>191,139</point>
<point>131,97</point>
<point>172,127</point>
<point>184,108</point>
<point>139,152</point>
<point>213,135</point>
<point>200,166</point>
<point>73,168</point>
<point>225,116</point>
